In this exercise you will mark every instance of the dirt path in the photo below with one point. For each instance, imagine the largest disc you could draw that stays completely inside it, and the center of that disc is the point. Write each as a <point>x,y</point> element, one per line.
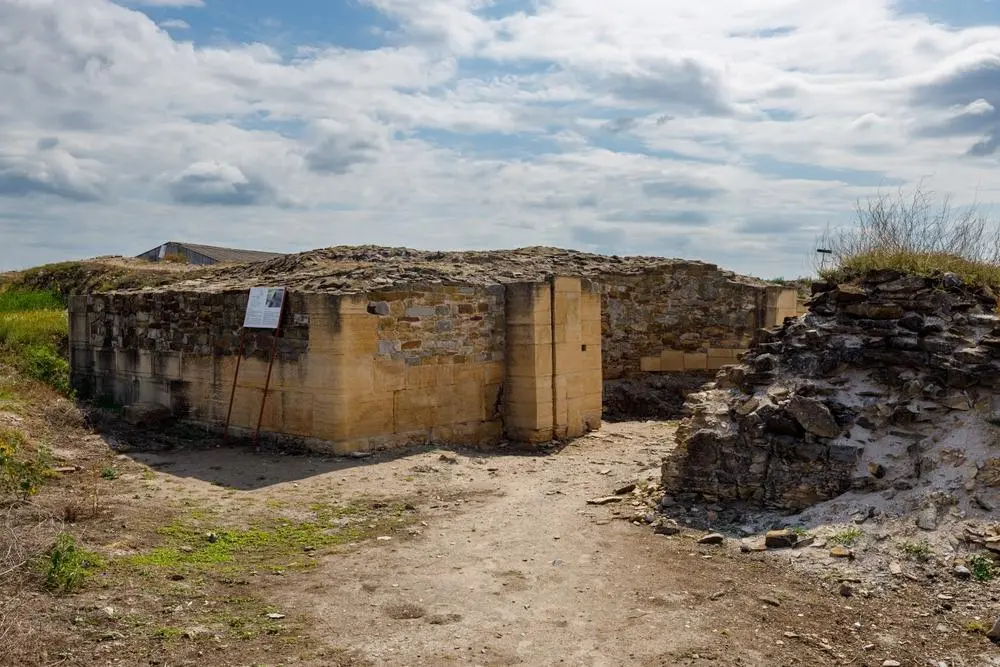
<point>518,569</point>
<point>526,573</point>
<point>508,565</point>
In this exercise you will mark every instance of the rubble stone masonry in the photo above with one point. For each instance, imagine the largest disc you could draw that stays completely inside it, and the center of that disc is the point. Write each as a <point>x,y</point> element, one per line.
<point>686,316</point>
<point>406,365</point>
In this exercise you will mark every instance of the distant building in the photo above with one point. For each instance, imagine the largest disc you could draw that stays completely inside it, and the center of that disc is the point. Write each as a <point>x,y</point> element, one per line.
<point>193,253</point>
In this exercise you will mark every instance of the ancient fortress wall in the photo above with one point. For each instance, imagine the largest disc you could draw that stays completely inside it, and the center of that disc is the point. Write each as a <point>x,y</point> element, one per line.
<point>687,316</point>
<point>408,365</point>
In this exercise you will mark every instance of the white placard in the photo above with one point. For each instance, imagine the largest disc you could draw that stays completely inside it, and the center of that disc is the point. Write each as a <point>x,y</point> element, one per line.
<point>264,308</point>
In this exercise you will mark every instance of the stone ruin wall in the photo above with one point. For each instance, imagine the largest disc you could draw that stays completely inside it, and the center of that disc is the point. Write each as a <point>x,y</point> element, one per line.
<point>687,317</point>
<point>857,395</point>
<point>667,330</point>
<point>388,368</point>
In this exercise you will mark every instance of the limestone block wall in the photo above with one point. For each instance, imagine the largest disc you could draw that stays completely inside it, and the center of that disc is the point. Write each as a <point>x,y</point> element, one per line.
<point>424,364</point>
<point>554,360</point>
<point>683,317</point>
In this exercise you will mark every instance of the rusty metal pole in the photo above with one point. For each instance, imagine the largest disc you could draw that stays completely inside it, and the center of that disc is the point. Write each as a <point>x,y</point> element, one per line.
<point>270,366</point>
<point>236,377</point>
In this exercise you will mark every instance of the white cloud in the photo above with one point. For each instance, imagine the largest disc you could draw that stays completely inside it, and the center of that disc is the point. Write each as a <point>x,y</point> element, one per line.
<point>164,3</point>
<point>175,24</point>
<point>724,130</point>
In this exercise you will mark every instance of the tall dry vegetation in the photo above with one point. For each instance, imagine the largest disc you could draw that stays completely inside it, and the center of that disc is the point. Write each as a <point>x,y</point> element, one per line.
<point>914,233</point>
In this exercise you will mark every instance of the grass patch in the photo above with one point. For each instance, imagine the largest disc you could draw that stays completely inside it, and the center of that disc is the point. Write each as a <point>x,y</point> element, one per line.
<point>977,627</point>
<point>914,234</point>
<point>110,473</point>
<point>918,551</point>
<point>22,473</point>
<point>847,537</point>
<point>982,567</point>
<point>67,565</point>
<point>195,544</point>
<point>168,633</point>
<point>33,330</point>
<point>17,300</point>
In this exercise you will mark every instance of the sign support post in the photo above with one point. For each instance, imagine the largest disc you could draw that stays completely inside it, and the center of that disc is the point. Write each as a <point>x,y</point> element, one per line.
<point>265,310</point>
<point>270,366</point>
<point>236,377</point>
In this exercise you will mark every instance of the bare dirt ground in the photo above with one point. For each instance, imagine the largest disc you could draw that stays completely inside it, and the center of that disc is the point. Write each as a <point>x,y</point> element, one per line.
<point>456,557</point>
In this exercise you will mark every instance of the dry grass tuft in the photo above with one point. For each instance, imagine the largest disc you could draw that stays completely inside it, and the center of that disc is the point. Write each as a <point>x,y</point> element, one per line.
<point>914,235</point>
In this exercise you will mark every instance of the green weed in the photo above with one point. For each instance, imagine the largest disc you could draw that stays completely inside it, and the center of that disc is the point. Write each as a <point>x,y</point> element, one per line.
<point>109,472</point>
<point>982,566</point>
<point>67,565</point>
<point>168,633</point>
<point>847,537</point>
<point>977,627</point>
<point>918,551</point>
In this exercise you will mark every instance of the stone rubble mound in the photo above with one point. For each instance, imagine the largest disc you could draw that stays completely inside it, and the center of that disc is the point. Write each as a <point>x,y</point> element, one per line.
<point>888,388</point>
<point>351,269</point>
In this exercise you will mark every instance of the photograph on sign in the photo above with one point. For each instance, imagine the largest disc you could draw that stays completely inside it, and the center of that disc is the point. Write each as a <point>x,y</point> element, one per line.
<point>264,308</point>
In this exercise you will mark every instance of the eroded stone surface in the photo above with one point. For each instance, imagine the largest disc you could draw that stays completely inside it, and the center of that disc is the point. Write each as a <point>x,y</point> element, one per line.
<point>883,357</point>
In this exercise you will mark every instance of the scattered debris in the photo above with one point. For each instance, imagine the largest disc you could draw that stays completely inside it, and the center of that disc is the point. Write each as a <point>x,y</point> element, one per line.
<point>606,500</point>
<point>780,539</point>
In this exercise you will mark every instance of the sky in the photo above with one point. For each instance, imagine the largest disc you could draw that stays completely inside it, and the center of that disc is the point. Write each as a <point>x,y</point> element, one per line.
<point>731,131</point>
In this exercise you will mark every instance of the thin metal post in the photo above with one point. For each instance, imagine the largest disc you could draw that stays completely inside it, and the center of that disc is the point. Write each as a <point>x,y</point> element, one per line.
<point>236,377</point>
<point>270,365</point>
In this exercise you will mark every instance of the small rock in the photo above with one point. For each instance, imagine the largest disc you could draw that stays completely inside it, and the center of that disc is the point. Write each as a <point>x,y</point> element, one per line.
<point>712,538</point>
<point>846,589</point>
<point>186,549</point>
<point>962,572</point>
<point>895,568</point>
<point>983,503</point>
<point>606,500</point>
<point>780,539</point>
<point>665,526</point>
<point>359,455</point>
<point>994,633</point>
<point>841,552</point>
<point>813,416</point>
<point>624,489</point>
<point>748,546</point>
<point>770,601</point>
<point>112,635</point>
<point>211,537</point>
<point>448,458</point>
<point>274,616</point>
<point>383,538</point>
<point>957,402</point>
<point>927,519</point>
<point>891,663</point>
<point>806,541</point>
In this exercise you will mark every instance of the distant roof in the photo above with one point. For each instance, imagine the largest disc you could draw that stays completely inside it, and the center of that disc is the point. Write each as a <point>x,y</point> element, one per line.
<point>228,255</point>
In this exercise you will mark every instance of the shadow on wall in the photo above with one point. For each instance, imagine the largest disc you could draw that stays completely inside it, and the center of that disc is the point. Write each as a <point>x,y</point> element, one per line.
<point>651,396</point>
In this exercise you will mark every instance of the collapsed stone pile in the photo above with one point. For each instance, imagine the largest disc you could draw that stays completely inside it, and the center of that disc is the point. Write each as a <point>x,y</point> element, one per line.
<point>887,387</point>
